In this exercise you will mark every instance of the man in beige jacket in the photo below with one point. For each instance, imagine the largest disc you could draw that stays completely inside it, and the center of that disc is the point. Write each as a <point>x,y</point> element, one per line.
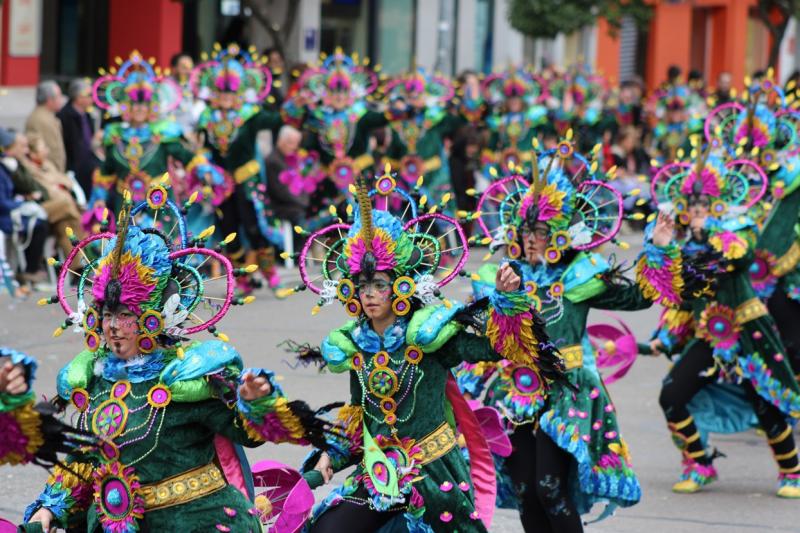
<point>43,122</point>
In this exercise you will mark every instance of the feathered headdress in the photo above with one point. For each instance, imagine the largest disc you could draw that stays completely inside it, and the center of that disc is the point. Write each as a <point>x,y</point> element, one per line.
<point>232,70</point>
<point>135,81</point>
<point>339,73</point>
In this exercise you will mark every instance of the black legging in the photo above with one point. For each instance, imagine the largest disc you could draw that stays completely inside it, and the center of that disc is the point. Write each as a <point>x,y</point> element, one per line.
<point>239,214</point>
<point>684,380</point>
<point>540,472</point>
<point>34,253</point>
<point>786,312</point>
<point>352,518</point>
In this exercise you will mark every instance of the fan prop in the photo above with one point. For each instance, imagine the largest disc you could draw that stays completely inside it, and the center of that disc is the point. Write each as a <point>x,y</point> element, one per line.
<point>286,502</point>
<point>492,428</point>
<point>443,253</point>
<point>497,206</point>
<point>601,211</point>
<point>720,125</point>
<point>615,346</point>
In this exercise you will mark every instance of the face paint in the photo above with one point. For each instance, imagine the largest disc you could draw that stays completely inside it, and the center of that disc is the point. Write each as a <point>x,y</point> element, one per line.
<point>376,287</point>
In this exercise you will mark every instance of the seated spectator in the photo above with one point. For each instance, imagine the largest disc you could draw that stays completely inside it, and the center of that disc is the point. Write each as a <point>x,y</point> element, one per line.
<point>285,205</point>
<point>43,121</point>
<point>78,131</point>
<point>21,218</point>
<point>36,179</point>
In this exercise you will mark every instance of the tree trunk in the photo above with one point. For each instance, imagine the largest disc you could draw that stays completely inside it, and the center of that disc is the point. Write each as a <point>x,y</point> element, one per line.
<point>777,38</point>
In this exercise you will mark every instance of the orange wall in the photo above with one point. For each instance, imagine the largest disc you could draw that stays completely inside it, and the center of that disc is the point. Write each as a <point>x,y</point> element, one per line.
<point>669,42</point>
<point>154,27</point>
<point>607,61</point>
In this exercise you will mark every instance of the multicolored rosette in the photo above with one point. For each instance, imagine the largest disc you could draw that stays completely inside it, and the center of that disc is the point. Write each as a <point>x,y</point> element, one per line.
<point>117,499</point>
<point>135,81</point>
<point>422,251</point>
<point>732,186</point>
<point>567,193</point>
<point>156,266</point>
<point>232,70</point>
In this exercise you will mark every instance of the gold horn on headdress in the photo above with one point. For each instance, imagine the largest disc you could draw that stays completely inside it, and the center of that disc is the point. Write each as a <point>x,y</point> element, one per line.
<point>365,211</point>
<point>123,223</point>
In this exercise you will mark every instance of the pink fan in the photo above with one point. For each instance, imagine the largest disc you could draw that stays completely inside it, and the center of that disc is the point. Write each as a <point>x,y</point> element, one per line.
<point>289,496</point>
<point>7,527</point>
<point>492,428</point>
<point>616,347</point>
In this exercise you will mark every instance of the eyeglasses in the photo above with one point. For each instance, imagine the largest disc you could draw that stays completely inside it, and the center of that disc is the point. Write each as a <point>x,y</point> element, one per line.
<point>538,233</point>
<point>374,286</point>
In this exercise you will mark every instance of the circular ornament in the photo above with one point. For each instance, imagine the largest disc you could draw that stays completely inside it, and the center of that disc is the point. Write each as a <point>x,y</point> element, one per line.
<point>381,359</point>
<point>556,290</point>
<point>110,418</point>
<point>683,218</point>
<point>388,406</point>
<point>385,185</point>
<point>345,290</point>
<point>121,389</point>
<point>353,307</point>
<point>109,450</point>
<point>511,234</point>
<point>117,498</point>
<point>413,354</point>
<point>357,361</point>
<point>680,205</point>
<point>514,250</point>
<point>79,399</point>
<point>146,343</point>
<point>383,382</point>
<point>527,381</point>
<point>401,306</point>
<point>531,288</point>
<point>552,255</point>
<point>718,208</point>
<point>560,240</point>
<point>159,396</point>
<point>92,341</point>
<point>91,319</point>
<point>404,287</point>
<point>151,322</point>
<point>157,197</point>
<point>564,149</point>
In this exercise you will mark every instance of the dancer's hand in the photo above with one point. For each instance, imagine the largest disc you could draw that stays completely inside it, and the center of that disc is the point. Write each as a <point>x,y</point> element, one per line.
<point>657,347</point>
<point>12,378</point>
<point>325,467</point>
<point>254,387</point>
<point>506,280</point>
<point>45,517</point>
<point>664,230</point>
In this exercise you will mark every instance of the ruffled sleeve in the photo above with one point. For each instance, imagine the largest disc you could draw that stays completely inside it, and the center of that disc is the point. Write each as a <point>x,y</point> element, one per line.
<point>675,328</point>
<point>510,326</point>
<point>271,418</point>
<point>67,495</point>
<point>659,273</point>
<point>473,377</point>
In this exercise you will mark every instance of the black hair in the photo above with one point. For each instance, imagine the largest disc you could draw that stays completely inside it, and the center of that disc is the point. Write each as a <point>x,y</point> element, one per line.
<point>673,72</point>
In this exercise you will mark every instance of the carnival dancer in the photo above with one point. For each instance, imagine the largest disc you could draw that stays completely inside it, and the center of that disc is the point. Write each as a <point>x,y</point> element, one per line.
<point>418,105</point>
<point>767,134</point>
<point>723,333</point>
<point>138,147</point>
<point>518,114</point>
<point>568,452</point>
<point>398,427</point>
<point>330,101</point>
<point>579,96</point>
<point>167,412</point>
<point>235,83</point>
<point>676,114</point>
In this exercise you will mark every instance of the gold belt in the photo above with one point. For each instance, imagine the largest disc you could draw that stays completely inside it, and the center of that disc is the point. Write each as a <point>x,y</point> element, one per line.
<point>183,488</point>
<point>436,443</point>
<point>246,171</point>
<point>572,356</point>
<point>785,263</point>
<point>750,310</point>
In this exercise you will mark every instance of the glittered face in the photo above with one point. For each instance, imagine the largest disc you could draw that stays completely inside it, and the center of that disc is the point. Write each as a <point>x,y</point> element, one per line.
<point>226,100</point>
<point>535,241</point>
<point>121,329</point>
<point>699,206</point>
<point>375,295</point>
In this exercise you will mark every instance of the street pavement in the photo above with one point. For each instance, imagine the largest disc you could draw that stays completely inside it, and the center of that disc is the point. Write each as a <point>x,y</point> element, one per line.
<point>741,501</point>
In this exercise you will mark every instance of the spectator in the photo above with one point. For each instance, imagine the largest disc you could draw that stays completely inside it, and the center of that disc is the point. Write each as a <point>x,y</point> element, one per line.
<point>285,205</point>
<point>674,74</point>
<point>633,168</point>
<point>23,219</point>
<point>79,131</point>
<point>696,82</point>
<point>723,93</point>
<point>43,121</point>
<point>181,66</point>
<point>277,65</point>
<point>59,206</point>
<point>62,210</point>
